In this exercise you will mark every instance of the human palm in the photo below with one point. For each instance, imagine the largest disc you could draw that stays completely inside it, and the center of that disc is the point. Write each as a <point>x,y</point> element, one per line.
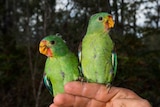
<point>79,94</point>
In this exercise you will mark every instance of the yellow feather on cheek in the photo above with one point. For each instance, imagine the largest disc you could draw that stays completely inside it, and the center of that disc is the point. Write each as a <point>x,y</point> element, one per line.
<point>110,22</point>
<point>44,49</point>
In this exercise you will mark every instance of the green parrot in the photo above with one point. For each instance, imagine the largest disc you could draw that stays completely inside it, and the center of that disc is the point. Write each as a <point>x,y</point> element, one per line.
<point>61,65</point>
<point>98,61</point>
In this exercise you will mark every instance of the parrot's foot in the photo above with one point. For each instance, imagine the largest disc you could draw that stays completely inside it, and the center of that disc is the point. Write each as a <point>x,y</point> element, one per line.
<point>82,80</point>
<point>79,78</point>
<point>108,86</point>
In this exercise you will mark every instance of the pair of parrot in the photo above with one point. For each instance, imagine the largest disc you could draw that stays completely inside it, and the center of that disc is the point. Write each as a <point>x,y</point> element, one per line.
<point>98,61</point>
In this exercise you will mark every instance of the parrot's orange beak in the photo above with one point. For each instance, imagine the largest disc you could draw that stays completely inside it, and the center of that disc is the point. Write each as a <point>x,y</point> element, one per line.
<point>108,22</point>
<point>43,49</point>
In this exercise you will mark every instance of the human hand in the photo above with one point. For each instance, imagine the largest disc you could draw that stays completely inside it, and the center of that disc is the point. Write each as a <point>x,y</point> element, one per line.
<point>79,94</point>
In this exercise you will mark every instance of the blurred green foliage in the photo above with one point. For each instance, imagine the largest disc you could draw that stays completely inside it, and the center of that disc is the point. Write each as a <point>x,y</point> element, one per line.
<point>23,23</point>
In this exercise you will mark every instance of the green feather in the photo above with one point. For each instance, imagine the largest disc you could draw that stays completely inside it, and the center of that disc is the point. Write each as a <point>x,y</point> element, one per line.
<point>97,47</point>
<point>62,67</point>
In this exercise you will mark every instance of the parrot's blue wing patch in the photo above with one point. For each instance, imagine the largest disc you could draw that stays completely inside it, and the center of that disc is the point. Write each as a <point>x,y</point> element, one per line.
<point>48,84</point>
<point>79,52</point>
<point>114,62</point>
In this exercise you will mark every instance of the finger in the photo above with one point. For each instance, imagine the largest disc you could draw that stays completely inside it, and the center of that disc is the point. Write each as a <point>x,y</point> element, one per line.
<point>90,90</point>
<point>126,94</point>
<point>67,100</point>
<point>61,99</point>
<point>95,103</point>
<point>128,103</point>
<point>52,105</point>
<point>96,91</point>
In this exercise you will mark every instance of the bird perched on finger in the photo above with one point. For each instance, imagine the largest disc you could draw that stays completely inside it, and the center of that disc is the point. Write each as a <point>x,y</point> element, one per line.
<point>97,56</point>
<point>61,65</point>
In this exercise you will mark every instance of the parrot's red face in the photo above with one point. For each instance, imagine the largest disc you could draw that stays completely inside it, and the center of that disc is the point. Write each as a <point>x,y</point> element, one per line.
<point>44,49</point>
<point>108,22</point>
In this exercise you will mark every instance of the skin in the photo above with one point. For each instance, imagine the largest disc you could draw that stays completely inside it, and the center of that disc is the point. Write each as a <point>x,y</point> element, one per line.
<point>79,94</point>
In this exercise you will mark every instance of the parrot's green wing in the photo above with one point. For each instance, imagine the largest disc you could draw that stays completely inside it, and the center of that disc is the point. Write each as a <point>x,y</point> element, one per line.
<point>79,57</point>
<point>48,84</point>
<point>113,70</point>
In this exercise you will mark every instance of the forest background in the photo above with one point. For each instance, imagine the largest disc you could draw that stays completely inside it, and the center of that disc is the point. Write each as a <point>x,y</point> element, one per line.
<point>23,23</point>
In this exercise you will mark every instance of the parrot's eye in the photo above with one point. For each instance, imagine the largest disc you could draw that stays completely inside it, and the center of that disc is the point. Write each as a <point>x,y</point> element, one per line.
<point>53,42</point>
<point>100,18</point>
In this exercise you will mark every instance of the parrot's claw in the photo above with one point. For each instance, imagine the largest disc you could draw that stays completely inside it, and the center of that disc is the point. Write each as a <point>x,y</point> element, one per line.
<point>108,86</point>
<point>82,80</point>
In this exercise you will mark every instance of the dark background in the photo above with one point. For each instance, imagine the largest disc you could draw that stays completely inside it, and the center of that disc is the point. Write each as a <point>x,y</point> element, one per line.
<point>23,23</point>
